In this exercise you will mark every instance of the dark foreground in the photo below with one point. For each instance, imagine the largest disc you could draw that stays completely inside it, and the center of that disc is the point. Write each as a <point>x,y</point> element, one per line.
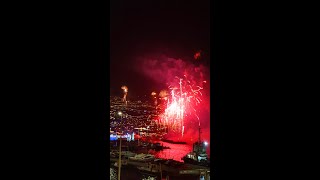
<point>131,173</point>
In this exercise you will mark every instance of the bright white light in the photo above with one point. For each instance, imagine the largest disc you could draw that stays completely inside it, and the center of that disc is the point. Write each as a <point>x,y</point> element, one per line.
<point>205,143</point>
<point>119,113</point>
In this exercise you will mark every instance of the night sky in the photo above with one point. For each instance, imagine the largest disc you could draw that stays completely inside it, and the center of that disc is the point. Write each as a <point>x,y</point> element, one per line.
<point>175,28</point>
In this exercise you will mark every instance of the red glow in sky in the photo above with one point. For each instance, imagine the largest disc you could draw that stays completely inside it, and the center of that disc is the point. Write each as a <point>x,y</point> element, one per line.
<point>187,98</point>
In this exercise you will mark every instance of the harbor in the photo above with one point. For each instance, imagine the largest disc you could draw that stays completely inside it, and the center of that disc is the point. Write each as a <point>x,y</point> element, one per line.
<point>159,169</point>
<point>141,160</point>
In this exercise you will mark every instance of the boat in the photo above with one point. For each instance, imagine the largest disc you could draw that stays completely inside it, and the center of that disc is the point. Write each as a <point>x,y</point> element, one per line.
<point>149,178</point>
<point>158,147</point>
<point>123,163</point>
<point>159,160</point>
<point>173,142</point>
<point>127,154</point>
<point>151,168</point>
<point>114,154</point>
<point>173,163</point>
<point>198,156</point>
<point>142,157</point>
<point>194,171</point>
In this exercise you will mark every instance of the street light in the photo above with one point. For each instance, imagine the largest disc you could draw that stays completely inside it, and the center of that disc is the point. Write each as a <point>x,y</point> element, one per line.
<point>205,143</point>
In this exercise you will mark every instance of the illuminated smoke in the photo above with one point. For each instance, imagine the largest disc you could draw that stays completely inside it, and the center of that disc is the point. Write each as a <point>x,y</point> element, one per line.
<point>163,95</point>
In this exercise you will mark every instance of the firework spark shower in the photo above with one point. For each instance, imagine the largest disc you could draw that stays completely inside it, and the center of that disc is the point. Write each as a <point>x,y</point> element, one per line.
<point>186,99</point>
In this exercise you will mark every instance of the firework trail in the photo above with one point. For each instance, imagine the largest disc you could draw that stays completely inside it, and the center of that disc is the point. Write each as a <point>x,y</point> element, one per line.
<point>125,92</point>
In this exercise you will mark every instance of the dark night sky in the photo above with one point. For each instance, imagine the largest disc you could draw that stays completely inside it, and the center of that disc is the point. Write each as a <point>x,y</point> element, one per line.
<point>175,28</point>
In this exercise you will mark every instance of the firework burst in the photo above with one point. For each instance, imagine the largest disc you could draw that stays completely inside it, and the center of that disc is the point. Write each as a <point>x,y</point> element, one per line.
<point>185,100</point>
<point>125,93</point>
<point>197,55</point>
<point>182,104</point>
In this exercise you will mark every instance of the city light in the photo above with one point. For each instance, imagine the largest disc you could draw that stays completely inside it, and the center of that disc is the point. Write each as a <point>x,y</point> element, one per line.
<point>205,143</point>
<point>119,113</point>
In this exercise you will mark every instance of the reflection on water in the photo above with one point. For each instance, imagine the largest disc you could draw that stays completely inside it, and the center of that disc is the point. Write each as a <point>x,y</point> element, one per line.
<point>176,151</point>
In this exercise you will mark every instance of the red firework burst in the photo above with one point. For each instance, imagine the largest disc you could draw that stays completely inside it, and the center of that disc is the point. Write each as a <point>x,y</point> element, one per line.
<point>182,104</point>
